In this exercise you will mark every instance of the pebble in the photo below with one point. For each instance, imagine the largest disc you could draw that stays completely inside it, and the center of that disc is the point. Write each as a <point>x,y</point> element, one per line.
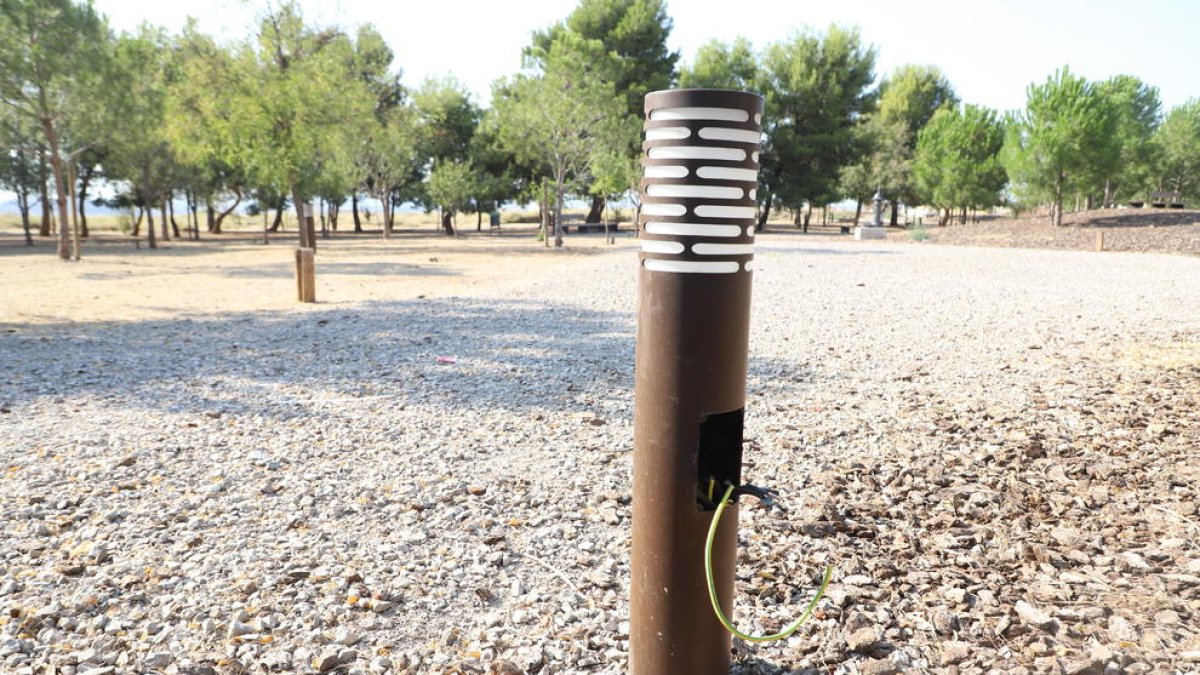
<point>264,495</point>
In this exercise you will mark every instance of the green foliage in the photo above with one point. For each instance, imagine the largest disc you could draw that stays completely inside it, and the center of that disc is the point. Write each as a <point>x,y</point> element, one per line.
<point>720,65</point>
<point>49,51</point>
<point>908,99</point>
<point>563,117</point>
<point>20,154</point>
<point>1128,171</point>
<point>451,185</point>
<point>634,34</point>
<point>138,147</point>
<point>885,163</point>
<point>1062,139</point>
<point>1178,140</point>
<point>303,109</point>
<point>912,94</point>
<point>958,158</point>
<point>817,86</point>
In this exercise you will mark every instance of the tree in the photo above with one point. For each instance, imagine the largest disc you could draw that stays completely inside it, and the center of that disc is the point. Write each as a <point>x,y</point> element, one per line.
<point>958,160</point>
<point>138,148</point>
<point>817,87</point>
<point>207,119</point>
<point>562,117</point>
<point>448,121</point>
<point>304,107</point>
<point>720,65</point>
<point>1139,113</point>
<point>908,98</point>
<point>20,163</point>
<point>633,33</point>
<point>1052,146</point>
<point>389,158</point>
<point>1179,142</point>
<point>451,186</point>
<point>49,51</point>
<point>884,164</point>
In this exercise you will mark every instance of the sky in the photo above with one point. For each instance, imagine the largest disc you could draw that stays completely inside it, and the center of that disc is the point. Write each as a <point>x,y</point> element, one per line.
<point>991,50</point>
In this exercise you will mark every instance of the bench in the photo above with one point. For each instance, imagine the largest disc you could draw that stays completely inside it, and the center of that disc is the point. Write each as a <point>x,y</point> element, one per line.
<point>592,227</point>
<point>1161,200</point>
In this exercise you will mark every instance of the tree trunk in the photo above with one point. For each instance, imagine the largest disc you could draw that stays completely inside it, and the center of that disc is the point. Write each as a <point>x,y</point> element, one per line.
<point>354,212</point>
<point>306,233</point>
<point>560,192</point>
<point>150,227</point>
<point>596,211</point>
<point>162,209</point>
<point>478,217</point>
<point>237,199</point>
<point>764,214</point>
<point>447,223</point>
<point>137,224</point>
<point>334,209</point>
<point>962,216</point>
<point>895,221</point>
<point>171,210</point>
<point>807,216</point>
<point>23,207</point>
<point>1056,213</point>
<point>60,189</point>
<point>210,217</point>
<point>1108,194</point>
<point>275,225</point>
<point>44,230</point>
<point>85,181</point>
<point>75,239</point>
<point>857,211</point>
<point>387,226</point>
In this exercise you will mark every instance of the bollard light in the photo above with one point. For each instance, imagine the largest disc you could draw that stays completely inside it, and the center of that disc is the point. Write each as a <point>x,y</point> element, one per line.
<point>697,223</point>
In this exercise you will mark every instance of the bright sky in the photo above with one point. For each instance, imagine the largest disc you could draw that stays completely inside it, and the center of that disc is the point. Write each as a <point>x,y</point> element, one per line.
<point>991,50</point>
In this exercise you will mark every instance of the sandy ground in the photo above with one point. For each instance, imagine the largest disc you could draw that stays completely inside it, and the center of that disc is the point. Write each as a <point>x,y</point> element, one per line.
<point>238,273</point>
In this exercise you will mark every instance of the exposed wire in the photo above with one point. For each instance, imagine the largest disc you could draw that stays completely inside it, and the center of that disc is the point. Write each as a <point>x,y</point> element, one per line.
<point>712,585</point>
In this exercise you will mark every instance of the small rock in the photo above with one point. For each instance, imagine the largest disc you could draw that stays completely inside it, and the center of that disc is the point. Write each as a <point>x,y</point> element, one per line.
<point>863,639</point>
<point>504,667</point>
<point>955,651</point>
<point>945,621</point>
<point>1120,630</point>
<point>955,595</point>
<point>1033,616</point>
<point>327,661</point>
<point>238,629</point>
<point>346,637</point>
<point>878,667</point>
<point>158,660</point>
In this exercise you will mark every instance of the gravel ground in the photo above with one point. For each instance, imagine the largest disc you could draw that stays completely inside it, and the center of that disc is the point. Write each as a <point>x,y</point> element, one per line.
<point>997,449</point>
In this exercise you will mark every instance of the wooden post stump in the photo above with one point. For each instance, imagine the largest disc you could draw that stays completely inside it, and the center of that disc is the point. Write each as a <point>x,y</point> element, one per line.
<point>1099,241</point>
<point>306,275</point>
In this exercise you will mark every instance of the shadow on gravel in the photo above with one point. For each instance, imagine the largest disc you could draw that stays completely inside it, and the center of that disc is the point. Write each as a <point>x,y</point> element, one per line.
<point>516,355</point>
<point>512,355</point>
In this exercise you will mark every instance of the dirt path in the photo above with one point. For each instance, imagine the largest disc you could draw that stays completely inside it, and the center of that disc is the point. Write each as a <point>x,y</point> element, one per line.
<point>238,273</point>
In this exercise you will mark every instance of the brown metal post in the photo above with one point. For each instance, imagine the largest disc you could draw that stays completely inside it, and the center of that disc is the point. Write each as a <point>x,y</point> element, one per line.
<point>697,224</point>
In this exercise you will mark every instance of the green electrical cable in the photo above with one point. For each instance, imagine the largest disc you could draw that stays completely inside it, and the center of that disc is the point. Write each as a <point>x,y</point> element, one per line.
<point>712,585</point>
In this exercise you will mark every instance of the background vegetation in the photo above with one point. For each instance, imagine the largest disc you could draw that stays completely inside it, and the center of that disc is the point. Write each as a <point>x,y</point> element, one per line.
<point>300,113</point>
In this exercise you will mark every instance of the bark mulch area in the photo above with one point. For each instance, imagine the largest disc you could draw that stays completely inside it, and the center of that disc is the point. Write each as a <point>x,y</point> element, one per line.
<point>1132,230</point>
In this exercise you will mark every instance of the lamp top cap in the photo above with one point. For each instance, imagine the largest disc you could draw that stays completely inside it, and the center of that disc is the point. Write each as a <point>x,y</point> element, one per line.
<point>707,98</point>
